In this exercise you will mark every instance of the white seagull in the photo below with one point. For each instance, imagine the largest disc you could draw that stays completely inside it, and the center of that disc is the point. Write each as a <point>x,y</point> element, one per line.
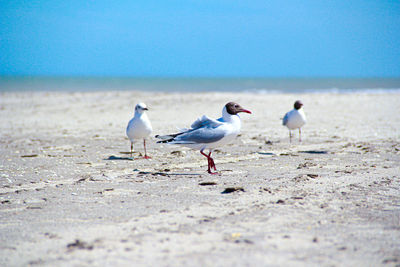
<point>139,127</point>
<point>294,119</point>
<point>207,133</point>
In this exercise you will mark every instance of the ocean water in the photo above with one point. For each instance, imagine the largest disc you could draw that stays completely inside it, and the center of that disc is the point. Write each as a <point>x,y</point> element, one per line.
<point>254,85</point>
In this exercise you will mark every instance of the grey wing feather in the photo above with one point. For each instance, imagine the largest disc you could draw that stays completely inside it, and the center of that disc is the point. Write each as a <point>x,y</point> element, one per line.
<point>203,130</point>
<point>200,135</point>
<point>285,119</point>
<point>205,121</point>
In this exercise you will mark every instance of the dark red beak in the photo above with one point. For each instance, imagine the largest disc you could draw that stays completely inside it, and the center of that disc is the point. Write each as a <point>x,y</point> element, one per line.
<point>245,110</point>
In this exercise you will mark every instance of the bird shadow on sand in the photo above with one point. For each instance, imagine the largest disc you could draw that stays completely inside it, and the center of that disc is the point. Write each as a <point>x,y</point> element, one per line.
<point>314,152</point>
<point>168,173</point>
<point>112,157</point>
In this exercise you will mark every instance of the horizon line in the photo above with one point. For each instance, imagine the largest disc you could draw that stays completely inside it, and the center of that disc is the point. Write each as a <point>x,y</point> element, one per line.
<point>189,77</point>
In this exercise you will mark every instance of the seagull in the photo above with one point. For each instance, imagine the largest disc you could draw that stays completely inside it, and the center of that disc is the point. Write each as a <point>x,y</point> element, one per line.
<point>139,127</point>
<point>295,119</point>
<point>207,133</point>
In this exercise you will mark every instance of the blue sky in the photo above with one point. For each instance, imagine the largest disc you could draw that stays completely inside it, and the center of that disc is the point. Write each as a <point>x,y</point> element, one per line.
<point>200,38</point>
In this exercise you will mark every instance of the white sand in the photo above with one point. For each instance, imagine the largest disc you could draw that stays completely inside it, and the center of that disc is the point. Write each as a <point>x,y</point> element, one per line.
<point>333,200</point>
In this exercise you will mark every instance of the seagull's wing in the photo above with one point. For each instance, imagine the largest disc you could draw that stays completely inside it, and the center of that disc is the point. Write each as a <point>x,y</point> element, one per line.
<point>202,135</point>
<point>205,122</point>
<point>285,119</point>
<point>203,130</point>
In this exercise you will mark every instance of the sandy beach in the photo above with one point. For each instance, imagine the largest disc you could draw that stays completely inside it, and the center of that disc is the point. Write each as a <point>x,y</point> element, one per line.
<point>71,196</point>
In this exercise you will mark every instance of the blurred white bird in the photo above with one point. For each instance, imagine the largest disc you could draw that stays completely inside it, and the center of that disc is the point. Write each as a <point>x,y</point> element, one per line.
<point>207,133</point>
<point>294,119</point>
<point>139,127</point>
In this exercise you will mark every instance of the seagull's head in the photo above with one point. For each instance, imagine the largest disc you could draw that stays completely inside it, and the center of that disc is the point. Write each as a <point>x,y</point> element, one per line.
<point>298,104</point>
<point>140,108</point>
<point>233,108</point>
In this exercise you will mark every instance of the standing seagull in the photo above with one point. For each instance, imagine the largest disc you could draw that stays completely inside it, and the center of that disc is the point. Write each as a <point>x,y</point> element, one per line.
<point>295,119</point>
<point>139,127</point>
<point>207,133</point>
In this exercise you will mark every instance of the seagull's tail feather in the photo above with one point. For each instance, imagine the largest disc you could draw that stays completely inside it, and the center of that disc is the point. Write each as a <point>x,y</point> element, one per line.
<point>166,138</point>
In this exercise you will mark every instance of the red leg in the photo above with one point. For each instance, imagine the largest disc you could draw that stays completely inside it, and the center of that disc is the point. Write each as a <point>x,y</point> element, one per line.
<point>145,153</point>
<point>299,134</point>
<point>210,162</point>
